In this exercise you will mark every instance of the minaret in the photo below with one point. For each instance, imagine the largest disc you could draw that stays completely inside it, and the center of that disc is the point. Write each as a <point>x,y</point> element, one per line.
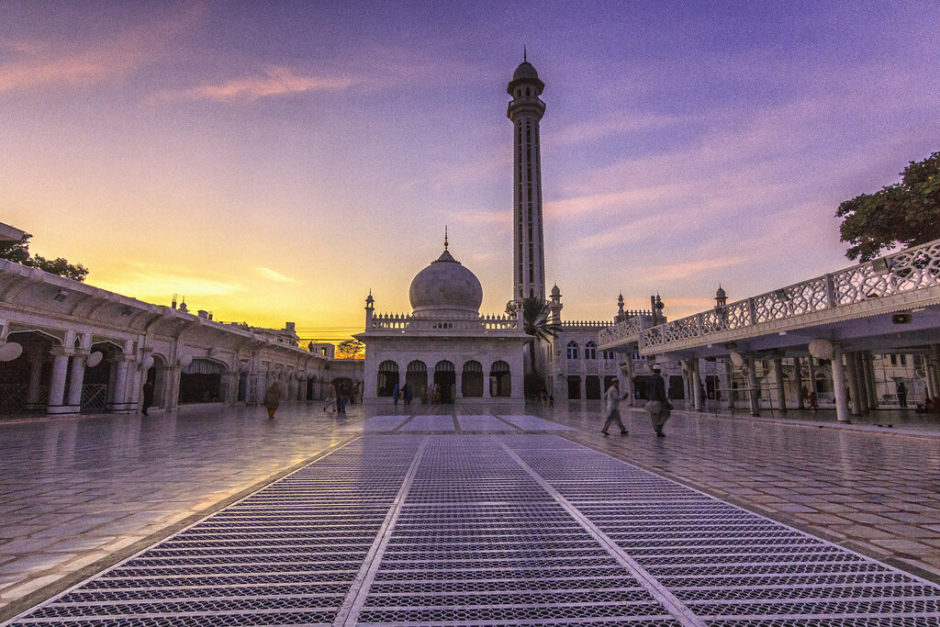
<point>525,111</point>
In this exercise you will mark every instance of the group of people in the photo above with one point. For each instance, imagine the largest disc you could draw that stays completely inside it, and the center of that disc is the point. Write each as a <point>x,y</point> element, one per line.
<point>403,394</point>
<point>657,405</point>
<point>334,402</point>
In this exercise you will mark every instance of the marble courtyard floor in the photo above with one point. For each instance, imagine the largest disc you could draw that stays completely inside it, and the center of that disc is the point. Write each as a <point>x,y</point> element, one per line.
<point>477,514</point>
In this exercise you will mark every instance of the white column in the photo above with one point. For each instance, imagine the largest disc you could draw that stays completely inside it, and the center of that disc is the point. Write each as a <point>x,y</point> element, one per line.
<point>811,371</point>
<point>694,365</point>
<point>932,372</point>
<point>60,367</point>
<point>871,388</point>
<point>798,381</point>
<point>729,375</point>
<point>76,379</point>
<point>778,383</point>
<point>172,387</point>
<point>838,385</point>
<point>752,384</point>
<point>35,378</point>
<point>851,360</point>
<point>117,403</point>
<point>458,383</point>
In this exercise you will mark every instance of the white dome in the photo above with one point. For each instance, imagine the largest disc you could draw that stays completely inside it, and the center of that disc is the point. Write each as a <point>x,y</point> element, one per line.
<point>445,289</point>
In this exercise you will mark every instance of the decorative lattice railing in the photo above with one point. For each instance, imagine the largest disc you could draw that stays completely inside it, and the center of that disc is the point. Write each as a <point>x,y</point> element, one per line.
<point>623,331</point>
<point>402,322</point>
<point>903,272</point>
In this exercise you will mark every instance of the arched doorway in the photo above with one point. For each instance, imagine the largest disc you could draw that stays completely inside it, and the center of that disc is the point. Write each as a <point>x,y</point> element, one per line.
<point>416,378</point>
<point>201,382</point>
<point>24,381</point>
<point>242,394</point>
<point>99,380</point>
<point>313,391</point>
<point>472,380</point>
<point>445,382</point>
<point>387,378</point>
<point>154,384</point>
<point>500,380</point>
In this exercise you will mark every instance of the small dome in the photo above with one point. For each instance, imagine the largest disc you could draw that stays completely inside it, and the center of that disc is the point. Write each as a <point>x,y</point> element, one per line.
<point>445,288</point>
<point>525,70</point>
<point>720,293</point>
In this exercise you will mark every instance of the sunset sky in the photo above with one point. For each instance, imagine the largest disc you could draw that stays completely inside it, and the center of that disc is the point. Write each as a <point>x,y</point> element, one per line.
<point>276,161</point>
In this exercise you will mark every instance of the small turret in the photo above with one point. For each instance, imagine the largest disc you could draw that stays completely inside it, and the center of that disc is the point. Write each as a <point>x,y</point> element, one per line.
<point>721,299</point>
<point>370,309</point>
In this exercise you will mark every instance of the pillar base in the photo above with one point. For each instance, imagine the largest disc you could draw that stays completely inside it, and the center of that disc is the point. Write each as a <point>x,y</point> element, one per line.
<point>121,408</point>
<point>58,410</point>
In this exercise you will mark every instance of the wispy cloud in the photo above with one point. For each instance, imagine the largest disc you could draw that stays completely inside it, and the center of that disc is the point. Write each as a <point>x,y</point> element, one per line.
<point>271,82</point>
<point>36,64</point>
<point>638,197</point>
<point>158,284</point>
<point>605,128</point>
<point>686,269</point>
<point>273,275</point>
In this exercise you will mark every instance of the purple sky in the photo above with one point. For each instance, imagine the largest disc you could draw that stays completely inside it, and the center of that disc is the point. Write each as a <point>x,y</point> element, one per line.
<point>275,164</point>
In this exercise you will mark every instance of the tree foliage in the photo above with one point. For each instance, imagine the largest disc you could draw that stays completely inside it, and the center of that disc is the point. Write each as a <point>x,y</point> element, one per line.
<point>19,252</point>
<point>535,312</point>
<point>349,349</point>
<point>904,214</point>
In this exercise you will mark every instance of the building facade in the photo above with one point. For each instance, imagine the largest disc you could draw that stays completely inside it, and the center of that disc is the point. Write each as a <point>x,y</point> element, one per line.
<point>444,351</point>
<point>68,348</point>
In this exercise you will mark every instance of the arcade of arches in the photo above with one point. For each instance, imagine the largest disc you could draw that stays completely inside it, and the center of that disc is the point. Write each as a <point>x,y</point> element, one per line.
<point>445,383</point>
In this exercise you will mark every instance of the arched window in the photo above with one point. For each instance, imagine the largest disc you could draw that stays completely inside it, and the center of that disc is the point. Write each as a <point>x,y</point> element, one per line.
<point>387,378</point>
<point>572,350</point>
<point>416,378</point>
<point>500,380</point>
<point>472,379</point>
<point>445,382</point>
<point>590,350</point>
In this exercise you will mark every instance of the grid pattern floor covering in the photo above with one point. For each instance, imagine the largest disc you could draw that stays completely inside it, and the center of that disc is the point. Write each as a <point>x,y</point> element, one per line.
<point>507,529</point>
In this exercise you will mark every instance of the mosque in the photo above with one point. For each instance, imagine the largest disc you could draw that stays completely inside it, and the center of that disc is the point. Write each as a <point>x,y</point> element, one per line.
<point>447,351</point>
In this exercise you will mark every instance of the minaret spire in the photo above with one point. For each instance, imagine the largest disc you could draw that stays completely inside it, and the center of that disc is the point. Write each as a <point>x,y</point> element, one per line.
<point>526,110</point>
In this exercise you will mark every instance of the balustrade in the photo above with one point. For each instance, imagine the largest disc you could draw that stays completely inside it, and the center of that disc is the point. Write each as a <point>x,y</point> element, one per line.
<point>912,269</point>
<point>402,322</point>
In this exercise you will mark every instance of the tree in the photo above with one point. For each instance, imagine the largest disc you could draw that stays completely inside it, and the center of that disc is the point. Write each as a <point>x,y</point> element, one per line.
<point>349,349</point>
<point>18,252</point>
<point>903,214</point>
<point>535,322</point>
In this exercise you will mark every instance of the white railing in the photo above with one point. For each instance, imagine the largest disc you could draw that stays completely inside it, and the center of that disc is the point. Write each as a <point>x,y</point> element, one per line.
<point>627,330</point>
<point>909,270</point>
<point>402,322</point>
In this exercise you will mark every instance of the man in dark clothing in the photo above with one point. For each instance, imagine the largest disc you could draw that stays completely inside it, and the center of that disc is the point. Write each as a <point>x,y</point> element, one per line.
<point>658,405</point>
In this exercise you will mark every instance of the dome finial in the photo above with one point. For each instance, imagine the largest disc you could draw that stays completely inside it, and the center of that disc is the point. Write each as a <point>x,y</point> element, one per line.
<point>524,59</point>
<point>445,237</point>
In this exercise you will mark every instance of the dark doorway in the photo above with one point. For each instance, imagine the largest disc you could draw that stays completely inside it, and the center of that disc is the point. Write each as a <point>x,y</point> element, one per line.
<point>574,388</point>
<point>592,388</point>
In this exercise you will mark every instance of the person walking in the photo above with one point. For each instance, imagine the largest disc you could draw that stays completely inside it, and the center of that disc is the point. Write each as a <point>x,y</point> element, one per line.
<point>330,405</point>
<point>612,397</point>
<point>272,399</point>
<point>147,397</point>
<point>406,393</point>
<point>658,404</point>
<point>902,394</point>
<point>395,392</point>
